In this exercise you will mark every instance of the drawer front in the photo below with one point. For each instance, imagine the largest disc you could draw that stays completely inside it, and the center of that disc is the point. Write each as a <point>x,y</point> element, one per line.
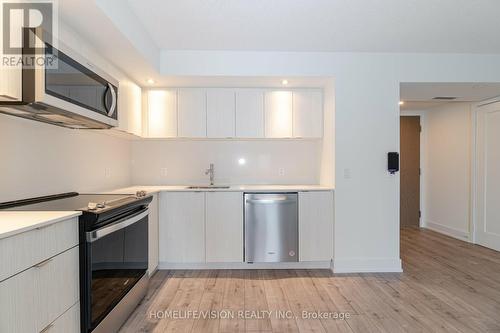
<point>69,322</point>
<point>31,300</point>
<point>27,249</point>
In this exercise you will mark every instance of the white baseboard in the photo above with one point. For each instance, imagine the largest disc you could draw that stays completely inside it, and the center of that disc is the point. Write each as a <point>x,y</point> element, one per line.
<point>242,265</point>
<point>367,265</point>
<point>448,231</point>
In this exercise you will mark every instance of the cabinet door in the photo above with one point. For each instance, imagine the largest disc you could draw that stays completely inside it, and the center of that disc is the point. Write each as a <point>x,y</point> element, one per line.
<point>250,113</point>
<point>315,226</point>
<point>278,111</point>
<point>162,113</point>
<point>220,113</point>
<point>17,307</point>
<point>307,113</point>
<point>130,108</point>
<point>192,113</point>
<point>11,75</point>
<point>134,110</point>
<point>31,300</point>
<point>69,322</point>
<point>224,224</point>
<point>57,282</point>
<point>182,227</point>
<point>153,235</point>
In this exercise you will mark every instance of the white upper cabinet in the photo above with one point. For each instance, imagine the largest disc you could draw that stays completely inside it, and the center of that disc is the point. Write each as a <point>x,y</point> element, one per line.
<point>129,107</point>
<point>307,113</point>
<point>249,113</point>
<point>220,113</point>
<point>278,114</point>
<point>192,113</point>
<point>232,113</point>
<point>162,113</point>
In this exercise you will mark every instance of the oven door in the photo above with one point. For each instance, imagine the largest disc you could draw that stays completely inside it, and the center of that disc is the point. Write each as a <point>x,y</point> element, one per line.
<point>116,259</point>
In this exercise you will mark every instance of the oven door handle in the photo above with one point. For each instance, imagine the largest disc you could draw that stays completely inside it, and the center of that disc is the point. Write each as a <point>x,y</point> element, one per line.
<point>92,236</point>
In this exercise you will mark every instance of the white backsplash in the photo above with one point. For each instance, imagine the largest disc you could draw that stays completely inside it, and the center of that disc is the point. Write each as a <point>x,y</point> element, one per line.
<point>40,159</point>
<point>170,162</point>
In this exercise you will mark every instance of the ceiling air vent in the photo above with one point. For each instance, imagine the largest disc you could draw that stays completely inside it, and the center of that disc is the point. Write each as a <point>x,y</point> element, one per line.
<point>445,98</point>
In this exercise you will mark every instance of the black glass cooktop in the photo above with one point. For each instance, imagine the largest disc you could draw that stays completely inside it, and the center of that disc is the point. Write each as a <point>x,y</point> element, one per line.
<point>98,209</point>
<point>71,201</point>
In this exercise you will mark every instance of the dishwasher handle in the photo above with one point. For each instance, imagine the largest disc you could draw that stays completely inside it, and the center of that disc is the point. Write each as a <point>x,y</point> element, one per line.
<point>270,201</point>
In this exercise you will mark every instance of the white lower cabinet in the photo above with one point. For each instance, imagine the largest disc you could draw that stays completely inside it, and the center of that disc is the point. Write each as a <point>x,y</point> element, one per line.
<point>207,227</point>
<point>182,227</point>
<point>316,226</point>
<point>153,235</point>
<point>33,299</point>
<point>68,322</point>
<point>224,226</point>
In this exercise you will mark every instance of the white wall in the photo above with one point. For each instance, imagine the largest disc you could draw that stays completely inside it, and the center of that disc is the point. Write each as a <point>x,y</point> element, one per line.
<point>40,159</point>
<point>447,150</point>
<point>187,160</point>
<point>327,176</point>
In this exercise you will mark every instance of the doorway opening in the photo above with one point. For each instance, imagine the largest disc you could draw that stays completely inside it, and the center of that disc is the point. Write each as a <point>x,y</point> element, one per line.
<point>447,142</point>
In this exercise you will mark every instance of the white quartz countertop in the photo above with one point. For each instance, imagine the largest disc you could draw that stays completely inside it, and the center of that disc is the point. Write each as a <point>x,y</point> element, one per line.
<point>232,188</point>
<point>12,223</point>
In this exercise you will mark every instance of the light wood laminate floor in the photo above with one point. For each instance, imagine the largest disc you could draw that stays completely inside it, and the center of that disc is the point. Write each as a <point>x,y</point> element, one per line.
<point>447,286</point>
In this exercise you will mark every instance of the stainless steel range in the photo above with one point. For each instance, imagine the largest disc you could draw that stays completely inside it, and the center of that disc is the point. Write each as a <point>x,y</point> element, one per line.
<point>113,253</point>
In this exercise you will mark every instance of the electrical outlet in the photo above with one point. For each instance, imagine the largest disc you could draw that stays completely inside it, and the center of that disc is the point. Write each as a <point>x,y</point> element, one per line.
<point>163,172</point>
<point>281,172</point>
<point>347,173</point>
<point>107,172</point>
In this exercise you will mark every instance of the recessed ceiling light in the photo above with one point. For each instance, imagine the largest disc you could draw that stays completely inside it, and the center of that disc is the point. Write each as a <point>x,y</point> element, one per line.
<point>284,82</point>
<point>151,81</point>
<point>242,161</point>
<point>401,102</point>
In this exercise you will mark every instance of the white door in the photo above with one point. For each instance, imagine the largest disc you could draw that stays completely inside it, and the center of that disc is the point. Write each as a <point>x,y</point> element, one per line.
<point>250,113</point>
<point>220,113</point>
<point>278,111</point>
<point>224,226</point>
<point>307,113</point>
<point>192,113</point>
<point>182,227</point>
<point>162,113</point>
<point>487,229</point>
<point>315,226</point>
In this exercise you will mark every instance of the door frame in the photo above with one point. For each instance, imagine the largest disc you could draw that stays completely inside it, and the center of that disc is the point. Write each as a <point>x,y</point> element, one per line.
<point>423,138</point>
<point>475,173</point>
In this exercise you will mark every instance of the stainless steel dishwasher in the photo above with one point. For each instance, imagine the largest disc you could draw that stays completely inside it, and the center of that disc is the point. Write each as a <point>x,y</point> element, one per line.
<point>271,227</point>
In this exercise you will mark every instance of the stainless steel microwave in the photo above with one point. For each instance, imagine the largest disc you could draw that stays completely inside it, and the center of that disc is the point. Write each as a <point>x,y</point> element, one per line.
<point>64,89</point>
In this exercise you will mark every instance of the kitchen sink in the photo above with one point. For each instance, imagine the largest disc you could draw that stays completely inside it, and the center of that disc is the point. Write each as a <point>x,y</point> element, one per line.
<point>207,187</point>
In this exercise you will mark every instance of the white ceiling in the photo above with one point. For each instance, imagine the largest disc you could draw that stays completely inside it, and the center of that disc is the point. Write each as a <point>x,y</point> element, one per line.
<point>444,26</point>
<point>420,96</point>
<point>133,34</point>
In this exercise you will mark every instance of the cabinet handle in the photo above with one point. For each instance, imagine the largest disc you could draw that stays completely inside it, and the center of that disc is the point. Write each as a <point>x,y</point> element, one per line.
<point>43,263</point>
<point>46,329</point>
<point>43,227</point>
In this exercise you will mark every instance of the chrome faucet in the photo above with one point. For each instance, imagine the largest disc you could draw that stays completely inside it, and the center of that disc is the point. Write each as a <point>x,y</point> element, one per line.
<point>211,172</point>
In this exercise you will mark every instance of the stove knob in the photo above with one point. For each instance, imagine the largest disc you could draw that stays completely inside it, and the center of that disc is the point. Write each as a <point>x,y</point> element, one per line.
<point>92,206</point>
